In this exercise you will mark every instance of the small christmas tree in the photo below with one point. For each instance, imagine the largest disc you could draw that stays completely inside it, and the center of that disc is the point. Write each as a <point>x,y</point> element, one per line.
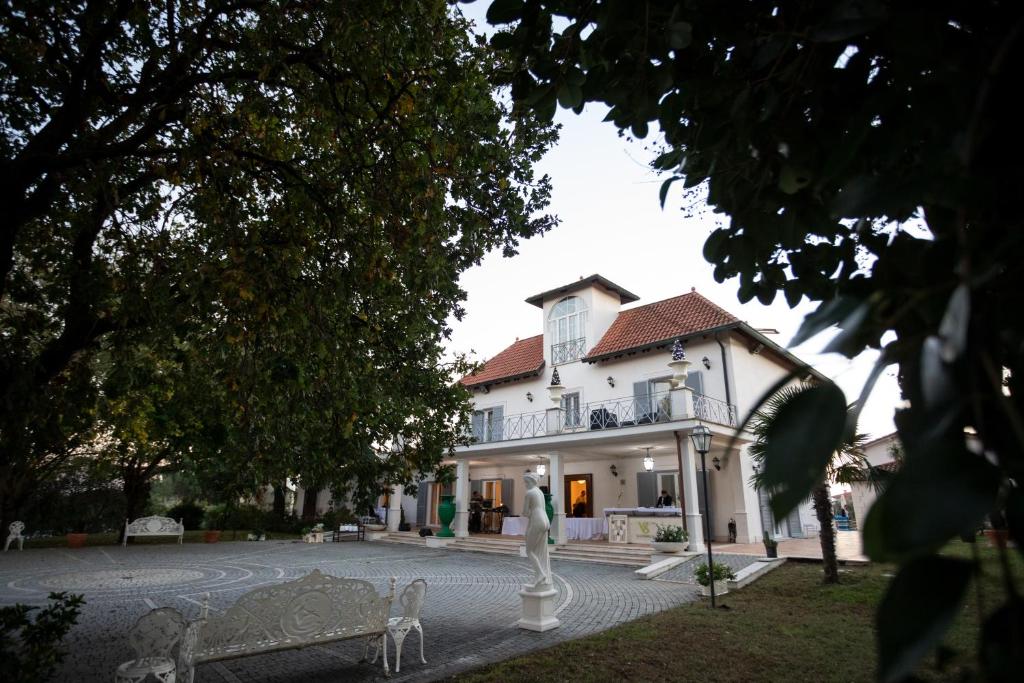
<point>555,381</point>
<point>678,353</point>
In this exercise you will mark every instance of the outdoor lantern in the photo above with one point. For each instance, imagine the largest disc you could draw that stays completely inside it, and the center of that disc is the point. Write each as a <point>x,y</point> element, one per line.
<point>648,462</point>
<point>701,438</point>
<point>529,396</point>
<point>717,462</point>
<point>706,361</point>
<point>611,381</point>
<point>542,470</point>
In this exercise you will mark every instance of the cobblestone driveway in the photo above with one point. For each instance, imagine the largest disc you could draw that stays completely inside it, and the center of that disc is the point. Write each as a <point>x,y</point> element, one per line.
<point>468,618</point>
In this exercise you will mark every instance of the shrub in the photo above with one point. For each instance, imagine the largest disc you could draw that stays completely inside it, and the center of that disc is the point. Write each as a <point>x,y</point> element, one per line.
<point>190,513</point>
<point>721,573</point>
<point>30,648</point>
<point>671,534</point>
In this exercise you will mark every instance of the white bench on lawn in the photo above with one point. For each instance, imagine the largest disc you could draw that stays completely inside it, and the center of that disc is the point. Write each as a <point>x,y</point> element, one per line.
<point>313,610</point>
<point>154,526</point>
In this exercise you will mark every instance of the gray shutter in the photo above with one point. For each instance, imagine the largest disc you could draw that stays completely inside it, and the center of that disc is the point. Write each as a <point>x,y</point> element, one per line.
<point>507,493</point>
<point>767,519</point>
<point>793,521</point>
<point>478,425</point>
<point>641,400</point>
<point>646,489</point>
<point>422,496</point>
<point>498,430</point>
<point>695,380</point>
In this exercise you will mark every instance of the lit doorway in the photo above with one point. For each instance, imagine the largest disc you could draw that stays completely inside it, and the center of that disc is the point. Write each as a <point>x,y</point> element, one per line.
<point>579,498</point>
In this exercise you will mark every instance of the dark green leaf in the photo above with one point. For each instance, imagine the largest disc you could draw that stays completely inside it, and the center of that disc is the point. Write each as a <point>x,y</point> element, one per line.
<point>680,35</point>
<point>1002,656</point>
<point>663,193</point>
<point>917,610</point>
<point>505,11</point>
<point>800,442</point>
<point>827,314</point>
<point>953,329</point>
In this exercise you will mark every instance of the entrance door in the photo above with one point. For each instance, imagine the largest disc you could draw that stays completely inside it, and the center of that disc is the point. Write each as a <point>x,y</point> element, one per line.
<point>579,498</point>
<point>309,504</point>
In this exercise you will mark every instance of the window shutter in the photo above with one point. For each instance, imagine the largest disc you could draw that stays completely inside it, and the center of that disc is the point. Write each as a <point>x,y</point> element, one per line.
<point>695,380</point>
<point>795,530</point>
<point>646,489</point>
<point>422,496</point>
<point>767,518</point>
<point>498,426</point>
<point>641,400</point>
<point>507,493</point>
<point>478,426</point>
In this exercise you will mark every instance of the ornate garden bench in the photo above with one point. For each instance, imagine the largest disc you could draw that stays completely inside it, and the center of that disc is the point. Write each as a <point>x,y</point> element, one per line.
<point>313,610</point>
<point>154,526</point>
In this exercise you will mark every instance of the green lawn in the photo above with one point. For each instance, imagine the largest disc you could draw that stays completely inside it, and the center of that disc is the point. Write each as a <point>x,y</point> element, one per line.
<point>785,627</point>
<point>110,538</point>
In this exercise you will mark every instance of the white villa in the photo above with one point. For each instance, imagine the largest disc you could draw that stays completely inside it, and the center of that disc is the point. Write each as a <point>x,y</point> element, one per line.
<point>617,432</point>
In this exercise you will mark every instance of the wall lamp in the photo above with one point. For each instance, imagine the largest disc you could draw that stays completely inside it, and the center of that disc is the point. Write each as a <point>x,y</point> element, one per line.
<point>706,361</point>
<point>611,381</point>
<point>717,462</point>
<point>529,396</point>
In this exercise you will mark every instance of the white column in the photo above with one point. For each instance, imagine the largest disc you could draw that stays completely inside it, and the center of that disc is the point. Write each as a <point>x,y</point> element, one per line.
<point>461,524</point>
<point>395,507</point>
<point>754,531</point>
<point>555,486</point>
<point>694,522</point>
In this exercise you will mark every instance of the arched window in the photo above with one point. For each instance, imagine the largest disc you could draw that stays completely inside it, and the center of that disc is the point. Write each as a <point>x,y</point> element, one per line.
<point>566,324</point>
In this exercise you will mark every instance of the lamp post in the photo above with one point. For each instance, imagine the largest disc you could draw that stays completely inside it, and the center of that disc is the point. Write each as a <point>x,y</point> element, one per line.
<point>701,438</point>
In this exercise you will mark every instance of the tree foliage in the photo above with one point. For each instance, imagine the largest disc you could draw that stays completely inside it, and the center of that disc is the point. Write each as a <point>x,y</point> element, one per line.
<point>275,198</point>
<point>866,154</point>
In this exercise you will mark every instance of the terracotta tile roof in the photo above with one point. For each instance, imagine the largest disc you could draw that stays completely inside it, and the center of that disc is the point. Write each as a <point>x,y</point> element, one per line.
<point>525,357</point>
<point>661,321</point>
<point>889,466</point>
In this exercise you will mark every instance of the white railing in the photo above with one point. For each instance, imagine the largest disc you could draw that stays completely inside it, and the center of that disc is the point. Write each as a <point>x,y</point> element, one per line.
<point>629,411</point>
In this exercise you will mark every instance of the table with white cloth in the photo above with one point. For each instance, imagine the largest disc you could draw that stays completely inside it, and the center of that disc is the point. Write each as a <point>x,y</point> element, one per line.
<point>576,528</point>
<point>640,524</point>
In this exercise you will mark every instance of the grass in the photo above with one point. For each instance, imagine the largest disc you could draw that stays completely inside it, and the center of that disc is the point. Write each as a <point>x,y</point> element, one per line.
<point>787,626</point>
<point>110,538</point>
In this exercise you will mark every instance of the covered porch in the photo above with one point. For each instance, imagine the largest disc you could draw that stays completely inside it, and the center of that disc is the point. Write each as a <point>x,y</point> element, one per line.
<point>591,475</point>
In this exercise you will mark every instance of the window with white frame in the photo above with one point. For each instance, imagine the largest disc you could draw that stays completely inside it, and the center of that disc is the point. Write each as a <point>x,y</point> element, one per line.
<point>571,409</point>
<point>487,424</point>
<point>566,330</point>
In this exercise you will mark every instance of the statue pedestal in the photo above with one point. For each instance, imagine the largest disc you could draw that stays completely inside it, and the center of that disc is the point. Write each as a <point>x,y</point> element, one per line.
<point>538,613</point>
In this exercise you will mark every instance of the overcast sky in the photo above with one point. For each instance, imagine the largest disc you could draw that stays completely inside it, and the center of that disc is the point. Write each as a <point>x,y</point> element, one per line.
<point>606,197</point>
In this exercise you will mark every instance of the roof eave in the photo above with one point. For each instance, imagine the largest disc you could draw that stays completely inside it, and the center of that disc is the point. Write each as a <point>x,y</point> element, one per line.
<point>662,342</point>
<point>506,379</point>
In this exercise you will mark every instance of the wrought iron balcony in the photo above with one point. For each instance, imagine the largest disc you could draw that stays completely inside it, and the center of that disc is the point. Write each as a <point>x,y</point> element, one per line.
<point>567,352</point>
<point>629,411</point>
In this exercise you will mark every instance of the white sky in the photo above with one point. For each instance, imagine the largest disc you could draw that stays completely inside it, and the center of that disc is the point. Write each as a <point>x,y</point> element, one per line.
<point>612,223</point>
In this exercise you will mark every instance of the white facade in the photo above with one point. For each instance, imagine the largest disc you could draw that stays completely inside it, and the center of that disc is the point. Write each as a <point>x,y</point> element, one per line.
<point>616,407</point>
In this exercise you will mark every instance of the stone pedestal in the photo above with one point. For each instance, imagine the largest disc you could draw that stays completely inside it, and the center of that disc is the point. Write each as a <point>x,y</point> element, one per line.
<point>435,542</point>
<point>538,613</point>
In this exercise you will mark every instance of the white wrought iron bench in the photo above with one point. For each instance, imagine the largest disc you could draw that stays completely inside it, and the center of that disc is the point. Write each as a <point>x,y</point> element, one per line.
<point>313,610</point>
<point>154,526</point>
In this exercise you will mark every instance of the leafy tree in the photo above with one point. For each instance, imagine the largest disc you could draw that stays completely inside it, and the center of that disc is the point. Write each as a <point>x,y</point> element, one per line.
<point>279,197</point>
<point>30,648</point>
<point>866,154</point>
<point>848,464</point>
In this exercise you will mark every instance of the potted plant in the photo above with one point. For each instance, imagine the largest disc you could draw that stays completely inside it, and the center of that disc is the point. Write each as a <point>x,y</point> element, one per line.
<point>77,538</point>
<point>212,522</point>
<point>771,546</point>
<point>314,534</point>
<point>721,573</point>
<point>670,539</point>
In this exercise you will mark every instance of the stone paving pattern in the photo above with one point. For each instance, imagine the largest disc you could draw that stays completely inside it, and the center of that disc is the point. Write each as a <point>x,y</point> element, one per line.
<point>684,572</point>
<point>469,616</point>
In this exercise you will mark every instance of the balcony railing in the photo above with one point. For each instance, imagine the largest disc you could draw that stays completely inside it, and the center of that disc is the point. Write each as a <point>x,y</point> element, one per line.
<point>630,411</point>
<point>567,352</point>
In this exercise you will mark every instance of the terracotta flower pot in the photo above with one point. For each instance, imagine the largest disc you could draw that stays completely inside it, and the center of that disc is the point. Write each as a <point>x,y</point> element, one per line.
<point>211,536</point>
<point>997,537</point>
<point>76,540</point>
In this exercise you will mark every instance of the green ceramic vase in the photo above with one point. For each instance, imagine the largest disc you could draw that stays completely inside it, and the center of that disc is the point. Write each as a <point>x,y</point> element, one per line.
<point>446,513</point>
<point>550,510</point>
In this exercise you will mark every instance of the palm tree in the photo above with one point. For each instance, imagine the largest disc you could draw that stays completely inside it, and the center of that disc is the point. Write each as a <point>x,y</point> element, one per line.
<point>848,464</point>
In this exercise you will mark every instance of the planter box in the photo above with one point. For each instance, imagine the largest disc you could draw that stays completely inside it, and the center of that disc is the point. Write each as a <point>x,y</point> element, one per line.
<point>721,588</point>
<point>76,540</point>
<point>314,537</point>
<point>211,536</point>
<point>669,547</point>
<point>997,537</point>
<point>772,551</point>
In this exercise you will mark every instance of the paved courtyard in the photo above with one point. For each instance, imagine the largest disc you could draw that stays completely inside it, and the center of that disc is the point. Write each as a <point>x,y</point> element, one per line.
<point>468,618</point>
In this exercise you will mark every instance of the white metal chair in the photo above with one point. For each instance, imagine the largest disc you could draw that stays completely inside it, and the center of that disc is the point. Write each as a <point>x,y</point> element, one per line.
<point>412,602</point>
<point>153,638</point>
<point>15,535</point>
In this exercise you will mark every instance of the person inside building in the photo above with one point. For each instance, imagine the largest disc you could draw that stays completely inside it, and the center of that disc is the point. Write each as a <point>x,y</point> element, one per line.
<point>579,508</point>
<point>476,504</point>
<point>664,500</point>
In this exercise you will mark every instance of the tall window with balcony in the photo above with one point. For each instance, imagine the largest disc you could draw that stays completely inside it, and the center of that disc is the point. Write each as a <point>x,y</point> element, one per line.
<point>566,325</point>
<point>488,424</point>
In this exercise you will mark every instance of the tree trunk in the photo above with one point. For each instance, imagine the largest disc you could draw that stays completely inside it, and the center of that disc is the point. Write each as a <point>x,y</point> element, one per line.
<point>823,510</point>
<point>279,500</point>
<point>136,494</point>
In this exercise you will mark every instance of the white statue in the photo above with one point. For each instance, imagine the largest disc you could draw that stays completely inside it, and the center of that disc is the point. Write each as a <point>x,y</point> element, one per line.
<point>536,534</point>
